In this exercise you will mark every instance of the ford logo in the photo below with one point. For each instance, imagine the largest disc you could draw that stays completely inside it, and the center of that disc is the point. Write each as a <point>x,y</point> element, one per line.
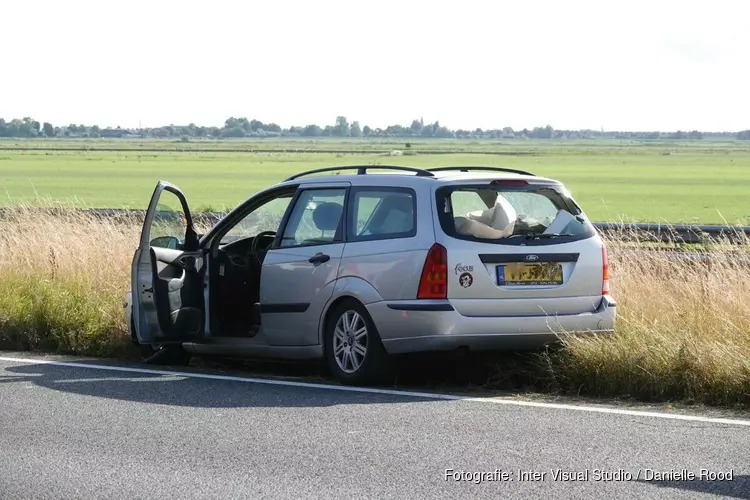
<point>532,258</point>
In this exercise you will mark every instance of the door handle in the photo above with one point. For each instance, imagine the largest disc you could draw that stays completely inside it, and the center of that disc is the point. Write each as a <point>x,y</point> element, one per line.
<point>319,258</point>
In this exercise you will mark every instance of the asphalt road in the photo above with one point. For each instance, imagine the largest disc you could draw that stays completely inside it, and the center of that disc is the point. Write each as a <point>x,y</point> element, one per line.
<point>87,432</point>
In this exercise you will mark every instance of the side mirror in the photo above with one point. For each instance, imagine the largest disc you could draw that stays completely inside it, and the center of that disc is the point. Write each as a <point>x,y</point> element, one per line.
<point>165,242</point>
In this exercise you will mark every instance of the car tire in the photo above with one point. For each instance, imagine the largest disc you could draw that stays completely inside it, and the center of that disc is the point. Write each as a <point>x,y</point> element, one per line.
<point>353,350</point>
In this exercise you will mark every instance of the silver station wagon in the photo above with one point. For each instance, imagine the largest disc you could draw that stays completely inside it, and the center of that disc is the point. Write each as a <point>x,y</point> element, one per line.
<point>355,264</point>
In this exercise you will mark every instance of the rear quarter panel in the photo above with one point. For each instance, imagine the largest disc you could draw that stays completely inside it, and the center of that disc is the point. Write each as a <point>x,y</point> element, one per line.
<point>391,267</point>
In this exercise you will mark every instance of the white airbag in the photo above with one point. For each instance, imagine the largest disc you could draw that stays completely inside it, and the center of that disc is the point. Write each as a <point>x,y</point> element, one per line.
<point>496,222</point>
<point>476,229</point>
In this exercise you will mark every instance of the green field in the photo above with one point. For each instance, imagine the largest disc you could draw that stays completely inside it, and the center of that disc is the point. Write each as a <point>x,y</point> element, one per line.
<point>697,182</point>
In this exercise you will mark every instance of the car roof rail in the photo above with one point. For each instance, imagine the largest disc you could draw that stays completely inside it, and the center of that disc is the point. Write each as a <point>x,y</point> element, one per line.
<point>487,169</point>
<point>362,170</point>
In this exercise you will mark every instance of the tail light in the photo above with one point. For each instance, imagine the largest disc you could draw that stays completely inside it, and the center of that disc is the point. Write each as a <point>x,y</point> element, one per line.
<point>605,272</point>
<point>434,281</point>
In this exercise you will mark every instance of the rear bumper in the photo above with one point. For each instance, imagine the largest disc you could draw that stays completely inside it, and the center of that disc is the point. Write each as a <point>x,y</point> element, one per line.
<point>413,326</point>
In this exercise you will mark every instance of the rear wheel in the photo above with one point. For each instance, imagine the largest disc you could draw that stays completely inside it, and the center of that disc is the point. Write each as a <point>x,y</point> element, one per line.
<point>353,350</point>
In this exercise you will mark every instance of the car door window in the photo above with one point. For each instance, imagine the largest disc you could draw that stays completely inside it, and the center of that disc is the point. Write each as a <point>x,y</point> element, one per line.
<point>315,218</point>
<point>169,224</point>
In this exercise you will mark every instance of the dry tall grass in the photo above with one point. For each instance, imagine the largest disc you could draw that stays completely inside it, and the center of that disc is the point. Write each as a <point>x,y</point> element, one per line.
<point>63,278</point>
<point>683,330</point>
<point>683,326</point>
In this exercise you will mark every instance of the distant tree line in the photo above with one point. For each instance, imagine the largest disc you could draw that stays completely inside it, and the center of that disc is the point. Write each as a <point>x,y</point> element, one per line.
<point>242,127</point>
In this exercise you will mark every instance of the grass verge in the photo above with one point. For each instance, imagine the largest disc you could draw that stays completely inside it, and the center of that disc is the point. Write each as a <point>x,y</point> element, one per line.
<point>683,333</point>
<point>63,278</point>
<point>683,329</point>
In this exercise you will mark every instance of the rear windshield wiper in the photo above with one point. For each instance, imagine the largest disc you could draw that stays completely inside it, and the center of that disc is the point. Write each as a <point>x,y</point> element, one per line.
<point>540,236</point>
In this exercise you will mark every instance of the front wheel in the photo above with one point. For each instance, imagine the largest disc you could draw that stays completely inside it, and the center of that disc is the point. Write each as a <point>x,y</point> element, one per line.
<point>353,349</point>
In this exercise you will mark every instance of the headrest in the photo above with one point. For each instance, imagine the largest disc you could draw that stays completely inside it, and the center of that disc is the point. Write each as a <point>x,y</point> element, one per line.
<point>327,216</point>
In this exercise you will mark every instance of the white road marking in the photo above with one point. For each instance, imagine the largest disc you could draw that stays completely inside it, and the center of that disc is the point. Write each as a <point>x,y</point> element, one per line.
<point>389,392</point>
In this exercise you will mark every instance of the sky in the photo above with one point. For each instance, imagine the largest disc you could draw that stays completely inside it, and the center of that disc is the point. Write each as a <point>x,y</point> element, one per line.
<point>617,65</point>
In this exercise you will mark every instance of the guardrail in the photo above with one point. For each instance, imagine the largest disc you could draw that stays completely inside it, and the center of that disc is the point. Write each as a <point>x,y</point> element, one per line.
<point>642,232</point>
<point>676,233</point>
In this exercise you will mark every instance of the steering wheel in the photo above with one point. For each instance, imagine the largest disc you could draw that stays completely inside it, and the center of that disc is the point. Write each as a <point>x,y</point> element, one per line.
<point>256,242</point>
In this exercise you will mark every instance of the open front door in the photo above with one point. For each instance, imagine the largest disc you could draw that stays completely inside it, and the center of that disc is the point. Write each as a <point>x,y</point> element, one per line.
<point>167,272</point>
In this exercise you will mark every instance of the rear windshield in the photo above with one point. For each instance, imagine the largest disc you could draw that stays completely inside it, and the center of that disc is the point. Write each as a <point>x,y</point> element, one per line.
<point>526,214</point>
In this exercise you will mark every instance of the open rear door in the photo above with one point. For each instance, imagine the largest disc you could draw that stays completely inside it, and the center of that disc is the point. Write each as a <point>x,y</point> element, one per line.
<point>167,272</point>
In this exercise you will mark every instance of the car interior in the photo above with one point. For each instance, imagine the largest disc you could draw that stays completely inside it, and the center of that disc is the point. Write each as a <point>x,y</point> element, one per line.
<point>235,284</point>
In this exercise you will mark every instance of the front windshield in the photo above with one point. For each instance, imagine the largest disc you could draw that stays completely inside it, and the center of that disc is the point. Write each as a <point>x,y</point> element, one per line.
<point>266,217</point>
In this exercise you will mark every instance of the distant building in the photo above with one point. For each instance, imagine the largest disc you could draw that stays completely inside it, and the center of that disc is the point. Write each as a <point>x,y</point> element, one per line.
<point>119,133</point>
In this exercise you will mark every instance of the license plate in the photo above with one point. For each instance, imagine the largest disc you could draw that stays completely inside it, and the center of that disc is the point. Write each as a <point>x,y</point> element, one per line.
<point>546,273</point>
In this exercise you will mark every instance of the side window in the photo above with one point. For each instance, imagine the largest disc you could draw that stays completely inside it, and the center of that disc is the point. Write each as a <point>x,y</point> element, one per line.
<point>169,226</point>
<point>382,213</point>
<point>266,217</point>
<point>316,218</point>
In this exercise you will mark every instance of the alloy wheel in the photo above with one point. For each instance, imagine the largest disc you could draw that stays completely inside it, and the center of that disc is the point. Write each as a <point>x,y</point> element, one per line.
<point>350,341</point>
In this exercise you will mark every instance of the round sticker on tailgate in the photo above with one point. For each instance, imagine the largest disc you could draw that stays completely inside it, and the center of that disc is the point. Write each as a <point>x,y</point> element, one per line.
<point>466,280</point>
